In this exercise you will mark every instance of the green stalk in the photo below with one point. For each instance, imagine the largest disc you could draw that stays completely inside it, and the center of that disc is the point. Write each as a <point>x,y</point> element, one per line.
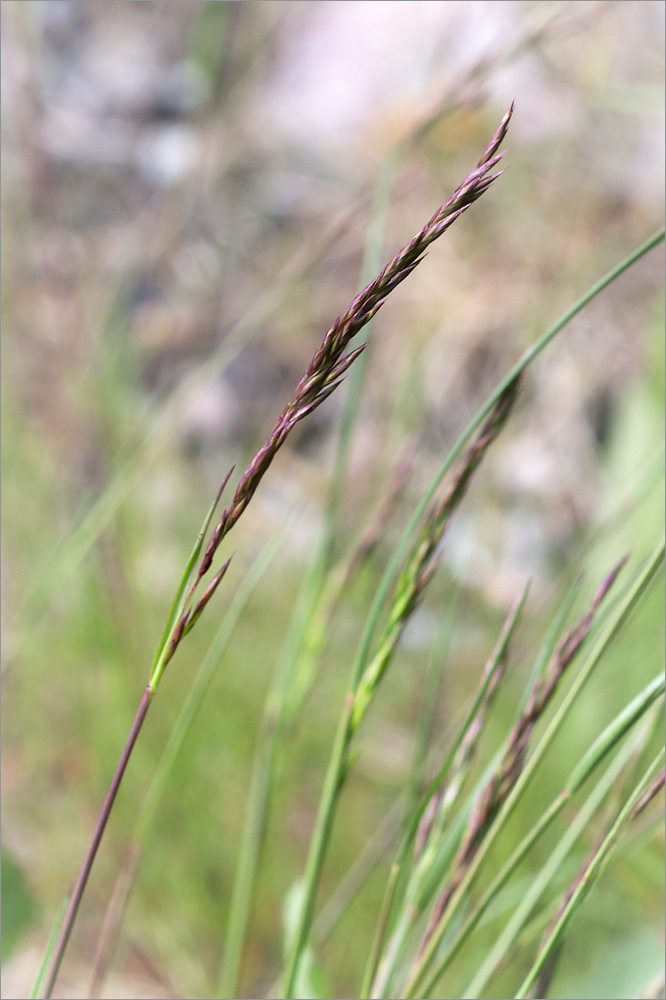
<point>451,776</point>
<point>259,799</point>
<point>416,893</point>
<point>585,882</point>
<point>381,931</point>
<point>594,756</point>
<point>373,852</point>
<point>379,984</point>
<point>422,980</point>
<point>597,752</point>
<point>320,840</point>
<point>40,980</point>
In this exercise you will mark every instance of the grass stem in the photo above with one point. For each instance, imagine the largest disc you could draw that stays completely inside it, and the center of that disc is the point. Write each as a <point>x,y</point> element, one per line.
<point>82,880</point>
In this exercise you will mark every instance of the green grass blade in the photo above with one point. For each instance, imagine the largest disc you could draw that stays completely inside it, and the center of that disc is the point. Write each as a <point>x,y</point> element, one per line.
<point>585,883</point>
<point>606,742</point>
<point>204,676</point>
<point>180,599</point>
<point>603,745</point>
<point>422,981</point>
<point>614,732</point>
<point>40,980</point>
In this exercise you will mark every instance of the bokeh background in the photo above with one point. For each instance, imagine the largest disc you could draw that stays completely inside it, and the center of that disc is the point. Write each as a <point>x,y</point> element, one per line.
<point>188,189</point>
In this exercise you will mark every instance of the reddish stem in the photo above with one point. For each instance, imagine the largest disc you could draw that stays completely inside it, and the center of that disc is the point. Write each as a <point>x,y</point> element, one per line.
<point>79,888</point>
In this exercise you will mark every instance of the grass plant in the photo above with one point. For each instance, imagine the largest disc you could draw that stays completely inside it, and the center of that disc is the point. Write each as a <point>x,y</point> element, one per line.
<point>488,857</point>
<point>322,377</point>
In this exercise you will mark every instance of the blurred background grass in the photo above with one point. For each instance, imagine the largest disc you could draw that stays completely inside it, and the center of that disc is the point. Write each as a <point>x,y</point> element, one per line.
<point>187,194</point>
